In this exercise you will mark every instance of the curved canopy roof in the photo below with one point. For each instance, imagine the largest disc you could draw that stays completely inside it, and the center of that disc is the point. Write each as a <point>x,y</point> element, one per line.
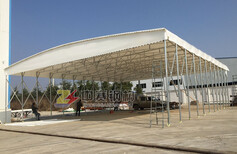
<point>120,57</point>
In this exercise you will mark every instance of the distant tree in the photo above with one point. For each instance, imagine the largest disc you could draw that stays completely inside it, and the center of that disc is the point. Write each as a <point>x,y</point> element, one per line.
<point>115,86</point>
<point>124,85</point>
<point>79,85</point>
<point>106,85</point>
<point>66,85</point>
<point>25,93</point>
<point>88,85</point>
<point>96,86</point>
<point>53,90</point>
<point>40,93</point>
<point>74,86</point>
<point>138,90</point>
<point>127,86</point>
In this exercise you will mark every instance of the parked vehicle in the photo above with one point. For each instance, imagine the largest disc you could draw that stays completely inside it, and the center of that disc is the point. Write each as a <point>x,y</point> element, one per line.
<point>233,102</point>
<point>174,105</point>
<point>143,102</point>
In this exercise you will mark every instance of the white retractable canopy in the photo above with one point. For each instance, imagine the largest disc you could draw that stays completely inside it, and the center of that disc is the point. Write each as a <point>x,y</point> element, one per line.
<point>119,57</point>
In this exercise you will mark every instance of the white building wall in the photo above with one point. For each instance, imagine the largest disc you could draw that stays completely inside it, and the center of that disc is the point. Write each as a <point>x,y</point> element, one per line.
<point>231,62</point>
<point>174,97</point>
<point>149,84</point>
<point>4,58</point>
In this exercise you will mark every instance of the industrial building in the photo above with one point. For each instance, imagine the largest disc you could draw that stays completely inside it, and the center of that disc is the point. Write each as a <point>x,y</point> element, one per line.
<point>148,86</point>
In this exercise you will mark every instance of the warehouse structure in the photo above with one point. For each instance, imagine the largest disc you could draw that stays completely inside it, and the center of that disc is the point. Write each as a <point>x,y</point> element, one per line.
<point>140,55</point>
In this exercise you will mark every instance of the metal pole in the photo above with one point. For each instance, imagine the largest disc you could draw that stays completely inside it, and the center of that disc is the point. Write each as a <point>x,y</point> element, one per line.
<point>50,92</point>
<point>93,87</point>
<point>216,90</point>
<point>120,97</point>
<point>207,89</point>
<point>162,93</point>
<point>179,92</point>
<point>152,78</point>
<point>219,88</point>
<point>213,98</point>
<point>152,82</point>
<point>73,82</point>
<point>22,94</point>
<point>93,91</point>
<point>228,96</point>
<point>167,84</point>
<point>84,87</point>
<point>226,99</point>
<point>37,89</point>
<point>187,82</point>
<point>201,81</point>
<point>222,83</point>
<point>63,87</point>
<point>226,88</point>
<point>195,80</point>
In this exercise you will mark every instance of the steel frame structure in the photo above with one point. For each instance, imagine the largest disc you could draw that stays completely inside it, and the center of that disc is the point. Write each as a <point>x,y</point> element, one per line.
<point>135,63</point>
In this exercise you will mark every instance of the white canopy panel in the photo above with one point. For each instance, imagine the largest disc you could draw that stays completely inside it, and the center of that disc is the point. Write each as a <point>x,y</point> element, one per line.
<point>119,57</point>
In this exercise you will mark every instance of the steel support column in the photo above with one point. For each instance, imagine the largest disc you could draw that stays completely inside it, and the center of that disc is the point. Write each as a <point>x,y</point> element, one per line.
<point>152,78</point>
<point>73,82</point>
<point>207,89</point>
<point>84,87</point>
<point>212,89</point>
<point>187,83</point>
<point>222,88</point>
<point>22,95</point>
<point>167,84</point>
<point>93,90</point>
<point>227,87</point>
<point>37,89</point>
<point>201,81</point>
<point>179,92</point>
<point>216,88</point>
<point>162,93</point>
<point>50,92</point>
<point>219,87</point>
<point>195,79</point>
<point>121,91</point>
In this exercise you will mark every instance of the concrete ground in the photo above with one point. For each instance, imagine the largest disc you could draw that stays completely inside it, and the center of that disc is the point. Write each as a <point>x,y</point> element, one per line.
<point>127,132</point>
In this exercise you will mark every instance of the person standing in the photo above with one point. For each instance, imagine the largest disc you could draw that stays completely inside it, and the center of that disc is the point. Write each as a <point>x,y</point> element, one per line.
<point>35,111</point>
<point>78,107</point>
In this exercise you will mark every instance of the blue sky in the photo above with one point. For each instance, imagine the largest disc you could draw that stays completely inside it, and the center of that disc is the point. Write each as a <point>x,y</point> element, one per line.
<point>210,25</point>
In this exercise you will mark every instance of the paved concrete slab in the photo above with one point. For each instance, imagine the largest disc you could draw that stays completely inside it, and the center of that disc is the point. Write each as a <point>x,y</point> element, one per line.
<point>40,122</point>
<point>22,144</point>
<point>215,131</point>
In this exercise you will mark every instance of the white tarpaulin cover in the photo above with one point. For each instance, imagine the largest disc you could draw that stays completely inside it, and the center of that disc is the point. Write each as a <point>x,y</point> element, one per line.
<point>126,56</point>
